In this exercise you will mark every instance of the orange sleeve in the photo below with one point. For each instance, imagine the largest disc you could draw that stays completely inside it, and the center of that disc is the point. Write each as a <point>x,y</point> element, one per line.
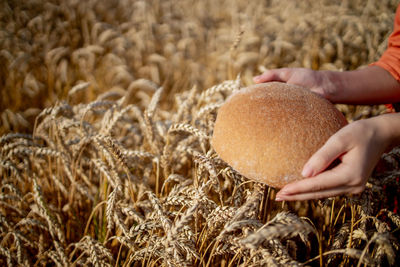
<point>390,60</point>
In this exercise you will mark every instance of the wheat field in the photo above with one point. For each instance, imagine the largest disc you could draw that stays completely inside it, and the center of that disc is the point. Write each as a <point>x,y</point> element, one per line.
<point>107,109</point>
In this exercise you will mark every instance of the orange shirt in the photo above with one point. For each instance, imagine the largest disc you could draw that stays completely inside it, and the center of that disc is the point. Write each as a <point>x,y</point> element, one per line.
<point>390,59</point>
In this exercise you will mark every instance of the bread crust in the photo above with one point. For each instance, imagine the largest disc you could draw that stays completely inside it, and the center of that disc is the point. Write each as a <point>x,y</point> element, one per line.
<point>268,131</point>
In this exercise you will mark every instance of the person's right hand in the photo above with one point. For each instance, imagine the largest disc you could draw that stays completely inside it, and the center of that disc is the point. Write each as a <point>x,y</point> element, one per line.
<point>357,147</point>
<point>316,81</point>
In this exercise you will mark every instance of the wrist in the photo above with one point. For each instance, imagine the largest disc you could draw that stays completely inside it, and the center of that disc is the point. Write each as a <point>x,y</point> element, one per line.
<point>389,124</point>
<point>332,83</point>
<point>394,124</point>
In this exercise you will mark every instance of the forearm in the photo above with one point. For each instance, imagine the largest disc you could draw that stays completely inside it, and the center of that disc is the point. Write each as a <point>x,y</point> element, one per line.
<point>390,127</point>
<point>371,85</point>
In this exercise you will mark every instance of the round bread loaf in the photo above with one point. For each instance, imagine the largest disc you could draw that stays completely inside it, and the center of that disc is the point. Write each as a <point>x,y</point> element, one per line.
<point>268,131</point>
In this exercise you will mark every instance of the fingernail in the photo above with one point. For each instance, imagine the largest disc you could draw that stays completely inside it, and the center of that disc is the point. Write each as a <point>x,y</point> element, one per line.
<point>256,78</point>
<point>280,195</point>
<point>307,171</point>
<point>282,192</point>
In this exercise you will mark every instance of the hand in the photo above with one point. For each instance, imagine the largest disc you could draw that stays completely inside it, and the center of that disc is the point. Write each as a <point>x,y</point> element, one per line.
<point>317,81</point>
<point>358,146</point>
<point>370,85</point>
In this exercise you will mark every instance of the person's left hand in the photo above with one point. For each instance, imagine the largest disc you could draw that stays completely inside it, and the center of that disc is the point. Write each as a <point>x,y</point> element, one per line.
<point>358,146</point>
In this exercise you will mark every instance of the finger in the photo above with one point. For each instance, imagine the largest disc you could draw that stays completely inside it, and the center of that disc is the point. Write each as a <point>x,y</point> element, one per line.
<point>316,195</point>
<point>274,75</point>
<point>333,149</point>
<point>324,181</point>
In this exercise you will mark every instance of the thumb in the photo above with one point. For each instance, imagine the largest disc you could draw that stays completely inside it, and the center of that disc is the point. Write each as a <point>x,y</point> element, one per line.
<point>274,75</point>
<point>328,153</point>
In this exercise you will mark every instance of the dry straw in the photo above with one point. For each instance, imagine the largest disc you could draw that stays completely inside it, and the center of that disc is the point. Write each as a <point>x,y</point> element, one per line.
<point>118,100</point>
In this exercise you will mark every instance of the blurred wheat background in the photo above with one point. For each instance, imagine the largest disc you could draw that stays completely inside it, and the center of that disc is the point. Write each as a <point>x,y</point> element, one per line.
<point>107,108</point>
